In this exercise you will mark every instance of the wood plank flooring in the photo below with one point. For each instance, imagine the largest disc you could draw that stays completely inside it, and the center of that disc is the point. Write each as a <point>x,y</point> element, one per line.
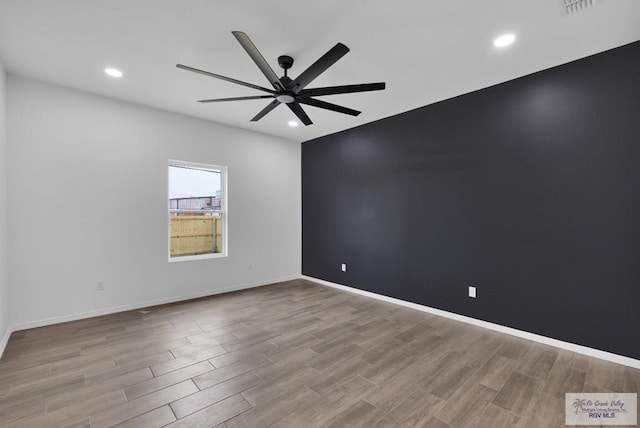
<point>292,354</point>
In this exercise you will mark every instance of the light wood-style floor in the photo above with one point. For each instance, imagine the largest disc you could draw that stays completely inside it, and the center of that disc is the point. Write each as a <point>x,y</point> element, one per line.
<point>293,354</point>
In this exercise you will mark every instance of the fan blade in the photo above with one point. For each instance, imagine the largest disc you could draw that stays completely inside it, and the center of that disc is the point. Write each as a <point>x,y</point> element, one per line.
<point>228,79</point>
<point>318,67</point>
<point>254,97</point>
<point>297,110</point>
<point>346,89</point>
<point>328,106</point>
<point>273,104</point>
<point>257,57</point>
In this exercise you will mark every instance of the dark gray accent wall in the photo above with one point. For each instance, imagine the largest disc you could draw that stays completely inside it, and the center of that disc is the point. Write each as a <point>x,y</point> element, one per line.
<point>528,190</point>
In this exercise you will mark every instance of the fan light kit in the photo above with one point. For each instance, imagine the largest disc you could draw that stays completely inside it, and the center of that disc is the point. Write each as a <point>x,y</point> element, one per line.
<point>504,40</point>
<point>113,72</point>
<point>292,93</point>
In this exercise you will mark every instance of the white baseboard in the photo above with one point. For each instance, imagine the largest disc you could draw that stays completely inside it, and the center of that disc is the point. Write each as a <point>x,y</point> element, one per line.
<point>591,352</point>
<point>123,308</point>
<point>5,340</point>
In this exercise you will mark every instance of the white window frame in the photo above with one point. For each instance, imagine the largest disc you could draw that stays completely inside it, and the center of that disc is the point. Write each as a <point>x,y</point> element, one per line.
<point>223,211</point>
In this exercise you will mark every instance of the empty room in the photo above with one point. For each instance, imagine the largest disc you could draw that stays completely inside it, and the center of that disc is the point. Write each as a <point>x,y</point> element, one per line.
<point>319,214</point>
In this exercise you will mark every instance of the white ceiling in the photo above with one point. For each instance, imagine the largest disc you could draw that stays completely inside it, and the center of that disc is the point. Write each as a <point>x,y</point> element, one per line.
<point>424,50</point>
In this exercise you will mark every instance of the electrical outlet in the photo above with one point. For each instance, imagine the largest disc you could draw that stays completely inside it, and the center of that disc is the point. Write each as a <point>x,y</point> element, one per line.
<point>100,285</point>
<point>344,267</point>
<point>472,291</point>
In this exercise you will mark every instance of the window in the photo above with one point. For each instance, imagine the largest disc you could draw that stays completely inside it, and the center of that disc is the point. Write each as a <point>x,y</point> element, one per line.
<point>197,211</point>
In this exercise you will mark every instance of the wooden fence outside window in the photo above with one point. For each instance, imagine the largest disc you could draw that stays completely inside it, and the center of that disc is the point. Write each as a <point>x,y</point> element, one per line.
<point>195,234</point>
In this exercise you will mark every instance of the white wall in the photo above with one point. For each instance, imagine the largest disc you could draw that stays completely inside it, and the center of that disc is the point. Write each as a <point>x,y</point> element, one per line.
<point>88,199</point>
<point>4,287</point>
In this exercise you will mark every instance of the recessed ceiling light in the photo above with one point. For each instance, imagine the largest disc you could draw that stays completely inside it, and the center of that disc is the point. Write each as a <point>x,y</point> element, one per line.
<point>293,123</point>
<point>504,40</point>
<point>113,72</point>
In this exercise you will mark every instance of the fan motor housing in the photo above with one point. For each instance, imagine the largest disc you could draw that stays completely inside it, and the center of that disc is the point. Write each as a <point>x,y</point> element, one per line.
<point>285,80</point>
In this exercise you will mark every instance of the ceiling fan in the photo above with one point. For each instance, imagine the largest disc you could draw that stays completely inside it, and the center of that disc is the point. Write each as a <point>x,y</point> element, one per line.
<point>291,92</point>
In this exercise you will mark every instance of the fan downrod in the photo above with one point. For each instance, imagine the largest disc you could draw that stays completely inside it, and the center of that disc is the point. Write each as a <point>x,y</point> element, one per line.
<point>286,62</point>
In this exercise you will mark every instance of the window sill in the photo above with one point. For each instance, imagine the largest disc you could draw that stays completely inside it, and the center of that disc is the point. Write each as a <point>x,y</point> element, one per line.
<point>198,257</point>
